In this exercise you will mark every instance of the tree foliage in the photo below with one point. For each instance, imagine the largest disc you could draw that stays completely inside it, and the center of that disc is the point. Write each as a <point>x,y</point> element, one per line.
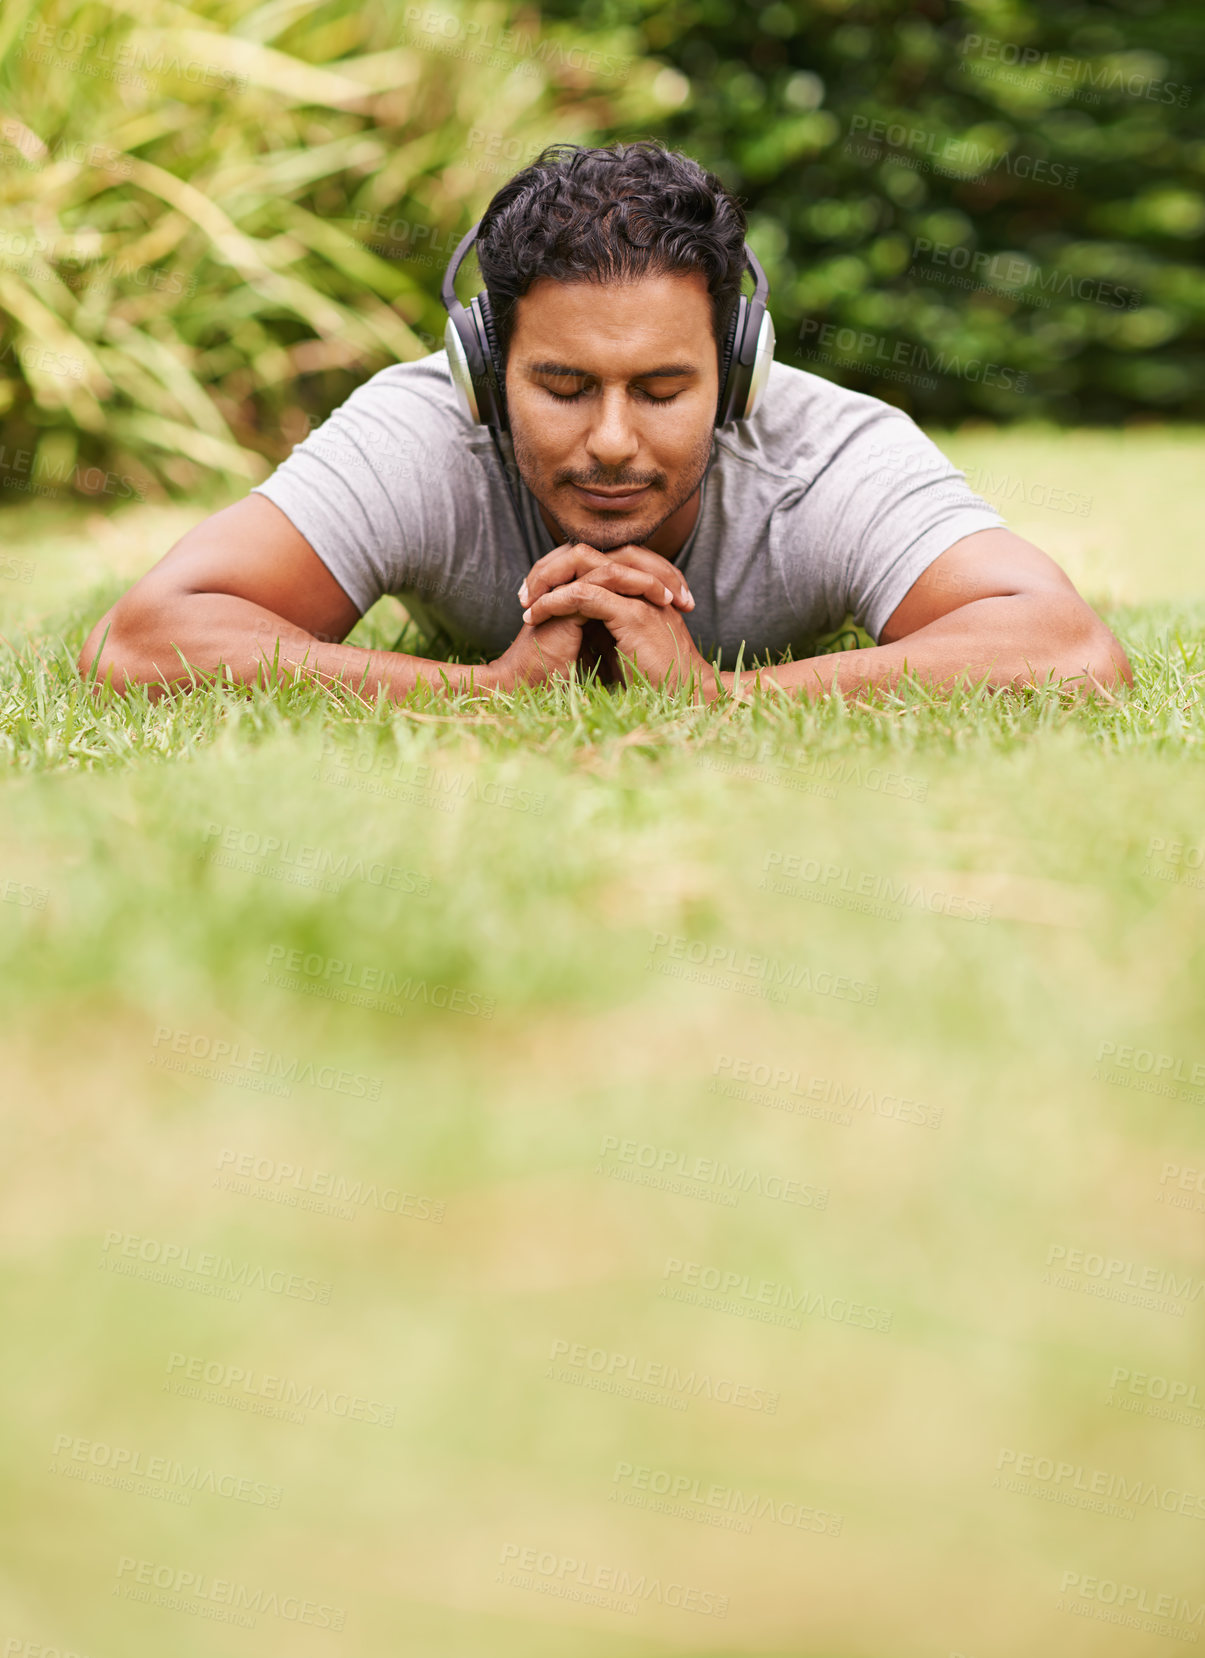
<point>219,216</point>
<point>991,209</point>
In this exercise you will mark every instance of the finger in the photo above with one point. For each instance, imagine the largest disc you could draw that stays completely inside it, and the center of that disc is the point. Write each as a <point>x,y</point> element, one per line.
<point>644,558</point>
<point>575,560</point>
<point>562,564</point>
<point>584,599</point>
<point>636,584</point>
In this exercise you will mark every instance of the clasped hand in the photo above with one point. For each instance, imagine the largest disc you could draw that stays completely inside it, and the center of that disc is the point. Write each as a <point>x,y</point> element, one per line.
<point>630,600</point>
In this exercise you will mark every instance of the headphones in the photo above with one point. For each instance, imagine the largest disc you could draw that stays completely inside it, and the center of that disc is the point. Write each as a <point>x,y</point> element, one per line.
<point>479,376</point>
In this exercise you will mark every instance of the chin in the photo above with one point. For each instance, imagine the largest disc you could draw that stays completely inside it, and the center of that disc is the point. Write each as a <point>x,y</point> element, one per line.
<point>607,534</point>
<point>610,539</point>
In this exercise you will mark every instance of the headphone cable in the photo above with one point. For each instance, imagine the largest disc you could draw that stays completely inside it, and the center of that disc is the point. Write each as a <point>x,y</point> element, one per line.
<point>510,490</point>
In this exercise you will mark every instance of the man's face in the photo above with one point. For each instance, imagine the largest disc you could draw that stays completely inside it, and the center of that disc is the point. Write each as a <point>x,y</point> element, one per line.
<point>611,391</point>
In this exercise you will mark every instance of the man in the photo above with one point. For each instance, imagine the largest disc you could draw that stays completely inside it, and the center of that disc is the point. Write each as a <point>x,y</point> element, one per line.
<point>582,486</point>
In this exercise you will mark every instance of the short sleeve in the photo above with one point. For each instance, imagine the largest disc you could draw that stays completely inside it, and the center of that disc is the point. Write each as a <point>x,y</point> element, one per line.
<point>886,504</point>
<point>383,490</point>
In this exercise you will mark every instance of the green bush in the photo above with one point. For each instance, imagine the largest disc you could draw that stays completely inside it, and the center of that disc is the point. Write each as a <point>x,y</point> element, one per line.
<point>994,208</point>
<point>216,219</point>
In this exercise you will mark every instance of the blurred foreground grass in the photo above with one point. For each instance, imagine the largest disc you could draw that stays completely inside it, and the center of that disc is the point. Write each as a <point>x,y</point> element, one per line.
<point>645,1243</point>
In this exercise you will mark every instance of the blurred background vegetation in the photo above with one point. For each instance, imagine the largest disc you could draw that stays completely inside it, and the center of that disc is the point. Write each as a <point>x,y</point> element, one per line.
<point>1063,142</point>
<point>217,218</point>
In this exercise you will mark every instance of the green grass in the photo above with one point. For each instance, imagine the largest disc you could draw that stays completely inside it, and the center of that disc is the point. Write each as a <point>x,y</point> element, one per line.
<point>555,859</point>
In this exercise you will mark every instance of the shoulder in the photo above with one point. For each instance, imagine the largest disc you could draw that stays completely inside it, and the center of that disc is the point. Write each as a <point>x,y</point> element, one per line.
<point>804,422</point>
<point>407,418</point>
<point>420,392</point>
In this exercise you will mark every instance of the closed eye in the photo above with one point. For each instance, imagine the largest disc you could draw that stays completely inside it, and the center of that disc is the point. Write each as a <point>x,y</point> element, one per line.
<point>572,396</point>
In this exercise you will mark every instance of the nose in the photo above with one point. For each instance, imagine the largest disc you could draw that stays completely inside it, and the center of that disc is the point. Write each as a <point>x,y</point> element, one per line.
<point>612,441</point>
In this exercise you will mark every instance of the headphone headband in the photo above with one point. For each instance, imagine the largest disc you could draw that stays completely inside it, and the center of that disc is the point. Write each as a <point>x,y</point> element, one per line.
<point>479,374</point>
<point>761,285</point>
<point>447,291</point>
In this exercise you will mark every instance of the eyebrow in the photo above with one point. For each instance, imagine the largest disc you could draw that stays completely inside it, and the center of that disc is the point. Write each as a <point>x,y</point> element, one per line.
<point>668,371</point>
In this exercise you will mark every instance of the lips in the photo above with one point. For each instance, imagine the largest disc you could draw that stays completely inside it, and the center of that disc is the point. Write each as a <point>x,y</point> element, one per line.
<point>611,500</point>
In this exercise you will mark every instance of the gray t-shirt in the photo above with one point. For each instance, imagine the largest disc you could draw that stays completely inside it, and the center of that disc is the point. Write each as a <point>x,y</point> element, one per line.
<point>826,503</point>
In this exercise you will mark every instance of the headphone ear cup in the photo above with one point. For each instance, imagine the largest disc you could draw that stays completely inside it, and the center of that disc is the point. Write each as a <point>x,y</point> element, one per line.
<point>731,362</point>
<point>459,368</point>
<point>759,372</point>
<point>749,365</point>
<point>493,392</point>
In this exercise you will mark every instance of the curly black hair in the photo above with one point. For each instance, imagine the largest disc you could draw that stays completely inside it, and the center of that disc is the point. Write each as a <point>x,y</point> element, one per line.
<point>611,215</point>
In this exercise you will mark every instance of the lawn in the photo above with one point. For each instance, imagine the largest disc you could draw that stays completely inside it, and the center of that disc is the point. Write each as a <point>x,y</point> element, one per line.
<point>647,1180</point>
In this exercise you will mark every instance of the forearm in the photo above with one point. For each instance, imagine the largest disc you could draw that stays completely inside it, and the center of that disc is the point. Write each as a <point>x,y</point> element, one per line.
<point>205,631</point>
<point>1017,639</point>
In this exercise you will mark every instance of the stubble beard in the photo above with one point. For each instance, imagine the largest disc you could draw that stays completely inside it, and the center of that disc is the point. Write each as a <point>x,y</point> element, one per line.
<point>603,534</point>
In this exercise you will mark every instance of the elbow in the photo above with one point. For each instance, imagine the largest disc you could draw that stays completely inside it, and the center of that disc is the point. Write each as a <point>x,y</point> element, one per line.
<point>1122,673</point>
<point>99,660</point>
<point>1093,654</point>
<point>112,654</point>
<point>1106,661</point>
